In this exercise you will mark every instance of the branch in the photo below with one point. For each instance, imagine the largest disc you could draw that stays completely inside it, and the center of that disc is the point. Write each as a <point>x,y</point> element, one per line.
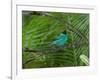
<point>56,49</point>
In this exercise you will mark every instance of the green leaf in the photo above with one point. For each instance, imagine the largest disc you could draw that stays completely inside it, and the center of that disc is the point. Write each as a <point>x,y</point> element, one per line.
<point>39,29</point>
<point>84,59</point>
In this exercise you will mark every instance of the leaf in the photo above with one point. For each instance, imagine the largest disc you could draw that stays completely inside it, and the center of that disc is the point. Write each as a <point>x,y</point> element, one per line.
<point>84,59</point>
<point>41,30</point>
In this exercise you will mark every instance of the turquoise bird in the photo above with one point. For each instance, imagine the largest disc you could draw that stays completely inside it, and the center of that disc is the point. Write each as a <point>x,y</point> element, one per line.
<point>61,39</point>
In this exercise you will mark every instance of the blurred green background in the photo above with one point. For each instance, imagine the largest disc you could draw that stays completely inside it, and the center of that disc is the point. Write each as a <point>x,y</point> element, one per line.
<point>39,29</point>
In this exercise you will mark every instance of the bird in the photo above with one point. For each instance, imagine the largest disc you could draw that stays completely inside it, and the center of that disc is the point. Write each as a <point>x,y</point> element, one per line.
<point>61,39</point>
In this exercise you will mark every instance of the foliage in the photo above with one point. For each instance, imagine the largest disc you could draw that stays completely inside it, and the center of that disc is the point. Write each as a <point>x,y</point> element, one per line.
<point>39,29</point>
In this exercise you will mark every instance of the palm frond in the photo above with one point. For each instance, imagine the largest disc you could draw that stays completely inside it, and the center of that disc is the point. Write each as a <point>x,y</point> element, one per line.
<point>43,27</point>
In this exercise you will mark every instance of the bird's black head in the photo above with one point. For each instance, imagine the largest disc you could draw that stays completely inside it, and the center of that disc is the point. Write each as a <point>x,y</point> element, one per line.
<point>64,32</point>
